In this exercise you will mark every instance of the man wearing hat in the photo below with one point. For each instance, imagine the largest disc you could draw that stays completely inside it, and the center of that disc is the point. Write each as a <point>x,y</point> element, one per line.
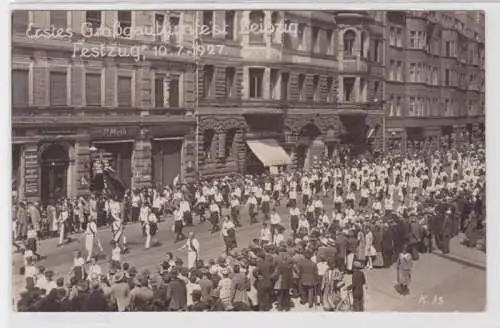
<point>120,291</point>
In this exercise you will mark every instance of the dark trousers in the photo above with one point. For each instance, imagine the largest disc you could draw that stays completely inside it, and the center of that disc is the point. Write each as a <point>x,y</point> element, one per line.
<point>358,303</point>
<point>340,263</point>
<point>387,256</point>
<point>284,299</point>
<point>264,297</point>
<point>135,213</point>
<point>307,294</point>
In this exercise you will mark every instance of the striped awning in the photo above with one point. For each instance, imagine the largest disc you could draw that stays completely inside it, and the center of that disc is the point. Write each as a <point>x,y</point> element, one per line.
<point>269,152</point>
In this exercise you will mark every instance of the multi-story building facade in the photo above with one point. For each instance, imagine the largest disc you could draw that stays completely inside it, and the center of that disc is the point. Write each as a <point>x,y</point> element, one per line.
<point>435,78</point>
<point>199,103</point>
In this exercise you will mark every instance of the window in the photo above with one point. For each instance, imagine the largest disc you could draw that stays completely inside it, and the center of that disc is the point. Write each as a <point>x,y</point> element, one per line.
<point>399,76</point>
<point>93,89</point>
<point>411,106</point>
<point>285,77</point>
<point>301,36</point>
<point>208,19</point>
<point>159,91</point>
<point>230,81</point>
<point>447,107</point>
<point>448,49</point>
<point>398,106</point>
<point>174,22</point>
<point>273,84</point>
<point>399,39</point>
<point>329,89</point>
<point>376,89</point>
<point>93,17</point>
<point>125,22</point>
<point>316,97</point>
<point>413,39</point>
<point>124,91</point>
<point>377,46</point>
<point>349,38</point>
<point>301,80</point>
<point>58,89</point>
<point>229,25</point>
<point>315,39</point>
<point>159,26</point>
<point>174,95</point>
<point>392,106</point>
<point>412,72</point>
<point>392,75</point>
<point>392,36</point>
<point>208,143</point>
<point>256,82</point>
<point>20,93</point>
<point>208,81</point>
<point>447,77</point>
<point>348,89</point>
<point>59,18</point>
<point>330,40</point>
<point>256,19</point>
<point>20,20</point>
<point>229,144</point>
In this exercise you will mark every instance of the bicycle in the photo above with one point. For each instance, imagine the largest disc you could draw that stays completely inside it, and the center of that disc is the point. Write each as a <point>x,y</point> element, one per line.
<point>345,303</point>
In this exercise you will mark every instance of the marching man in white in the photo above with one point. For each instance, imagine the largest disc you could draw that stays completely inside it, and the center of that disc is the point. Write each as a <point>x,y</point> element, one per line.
<point>193,250</point>
<point>116,226</point>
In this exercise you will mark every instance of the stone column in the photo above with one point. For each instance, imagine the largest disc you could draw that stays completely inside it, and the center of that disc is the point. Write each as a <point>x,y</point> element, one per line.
<point>268,37</point>
<point>141,162</point>
<point>188,158</point>
<point>243,28</point>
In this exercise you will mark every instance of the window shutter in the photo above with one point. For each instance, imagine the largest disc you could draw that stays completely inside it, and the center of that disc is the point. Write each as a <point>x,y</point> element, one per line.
<point>93,89</point>
<point>59,18</point>
<point>124,91</point>
<point>20,87</point>
<point>58,89</point>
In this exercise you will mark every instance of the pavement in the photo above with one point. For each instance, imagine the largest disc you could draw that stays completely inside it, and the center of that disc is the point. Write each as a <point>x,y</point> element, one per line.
<point>440,283</point>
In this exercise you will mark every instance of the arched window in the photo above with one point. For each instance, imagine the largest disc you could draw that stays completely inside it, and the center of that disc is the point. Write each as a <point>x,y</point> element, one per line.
<point>256,26</point>
<point>208,140</point>
<point>349,39</point>
<point>230,142</point>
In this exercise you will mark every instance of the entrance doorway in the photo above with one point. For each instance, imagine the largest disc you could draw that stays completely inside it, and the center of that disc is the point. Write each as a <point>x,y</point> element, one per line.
<point>119,156</point>
<point>55,162</point>
<point>309,147</point>
<point>166,161</point>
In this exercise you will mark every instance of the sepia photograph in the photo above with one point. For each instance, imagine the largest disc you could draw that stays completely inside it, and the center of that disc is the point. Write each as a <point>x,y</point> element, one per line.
<point>248,160</point>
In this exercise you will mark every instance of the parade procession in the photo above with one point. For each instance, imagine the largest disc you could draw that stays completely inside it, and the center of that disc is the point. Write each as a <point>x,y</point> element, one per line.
<point>328,160</point>
<point>315,227</point>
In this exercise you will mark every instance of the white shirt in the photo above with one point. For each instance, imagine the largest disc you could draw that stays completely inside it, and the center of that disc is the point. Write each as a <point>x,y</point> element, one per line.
<point>275,218</point>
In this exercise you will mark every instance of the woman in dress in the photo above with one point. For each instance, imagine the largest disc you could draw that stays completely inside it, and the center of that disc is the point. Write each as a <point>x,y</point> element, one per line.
<point>330,286</point>
<point>369,248</point>
<point>404,269</point>
<point>228,234</point>
<point>361,249</point>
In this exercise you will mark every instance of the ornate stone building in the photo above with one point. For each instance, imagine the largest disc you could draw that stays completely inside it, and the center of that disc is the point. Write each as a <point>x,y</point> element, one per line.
<point>301,94</point>
<point>435,78</point>
<point>205,103</point>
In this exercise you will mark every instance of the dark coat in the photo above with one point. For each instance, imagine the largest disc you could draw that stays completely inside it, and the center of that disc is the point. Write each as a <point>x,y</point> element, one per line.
<point>387,239</point>
<point>284,271</point>
<point>308,272</point>
<point>95,302</point>
<point>176,294</point>
<point>341,245</point>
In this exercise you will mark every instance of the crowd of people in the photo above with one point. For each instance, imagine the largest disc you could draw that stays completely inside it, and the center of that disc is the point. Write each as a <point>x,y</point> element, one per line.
<point>386,212</point>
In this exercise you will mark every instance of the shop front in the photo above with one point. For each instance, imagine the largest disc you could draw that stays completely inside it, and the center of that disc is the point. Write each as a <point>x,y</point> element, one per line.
<point>113,147</point>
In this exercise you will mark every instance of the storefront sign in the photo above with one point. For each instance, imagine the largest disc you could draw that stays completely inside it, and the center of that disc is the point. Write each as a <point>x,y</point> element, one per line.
<point>31,172</point>
<point>115,132</point>
<point>48,131</point>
